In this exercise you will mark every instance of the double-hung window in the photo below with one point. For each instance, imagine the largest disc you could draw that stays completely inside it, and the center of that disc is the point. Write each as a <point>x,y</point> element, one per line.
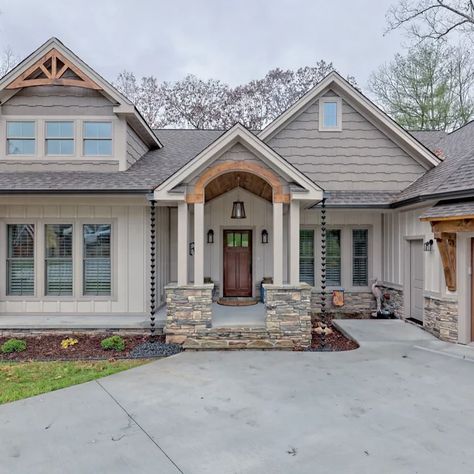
<point>20,259</point>
<point>60,138</point>
<point>96,255</point>
<point>333,257</point>
<point>360,257</point>
<point>58,262</point>
<point>307,256</point>
<point>21,138</point>
<point>97,138</point>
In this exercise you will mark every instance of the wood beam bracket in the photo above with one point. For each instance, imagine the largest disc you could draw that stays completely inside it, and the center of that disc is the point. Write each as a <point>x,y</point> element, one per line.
<point>447,249</point>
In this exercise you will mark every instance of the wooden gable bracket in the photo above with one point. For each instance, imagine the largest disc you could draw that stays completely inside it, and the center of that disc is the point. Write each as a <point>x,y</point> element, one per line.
<point>53,69</point>
<point>447,250</point>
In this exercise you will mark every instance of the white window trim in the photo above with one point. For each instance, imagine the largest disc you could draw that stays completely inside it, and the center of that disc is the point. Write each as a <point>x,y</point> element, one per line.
<point>84,138</point>
<point>325,100</point>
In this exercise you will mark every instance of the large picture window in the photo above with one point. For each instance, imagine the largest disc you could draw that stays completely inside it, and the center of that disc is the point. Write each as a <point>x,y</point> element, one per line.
<point>360,257</point>
<point>97,138</point>
<point>307,256</point>
<point>333,257</point>
<point>21,138</point>
<point>20,259</point>
<point>58,261</point>
<point>97,263</point>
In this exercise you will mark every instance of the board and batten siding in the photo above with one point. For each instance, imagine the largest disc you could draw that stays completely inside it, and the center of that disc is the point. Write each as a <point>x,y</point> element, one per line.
<point>135,147</point>
<point>130,263</point>
<point>360,157</point>
<point>398,228</point>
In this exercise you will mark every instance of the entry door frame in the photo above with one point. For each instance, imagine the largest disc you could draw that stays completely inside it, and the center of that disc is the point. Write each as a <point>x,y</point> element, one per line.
<point>463,284</point>
<point>223,230</point>
<point>406,249</point>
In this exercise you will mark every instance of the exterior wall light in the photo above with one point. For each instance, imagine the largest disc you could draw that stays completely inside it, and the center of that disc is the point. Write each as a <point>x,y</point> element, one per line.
<point>428,245</point>
<point>210,236</point>
<point>264,236</point>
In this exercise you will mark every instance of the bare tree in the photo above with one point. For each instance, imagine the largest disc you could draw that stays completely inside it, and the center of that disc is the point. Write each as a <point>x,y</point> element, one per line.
<point>431,88</point>
<point>8,60</point>
<point>432,19</point>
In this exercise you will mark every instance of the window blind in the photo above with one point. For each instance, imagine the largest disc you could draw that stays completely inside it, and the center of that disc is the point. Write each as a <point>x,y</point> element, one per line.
<point>360,257</point>
<point>58,259</point>
<point>20,259</point>
<point>97,262</point>
<point>333,257</point>
<point>307,256</point>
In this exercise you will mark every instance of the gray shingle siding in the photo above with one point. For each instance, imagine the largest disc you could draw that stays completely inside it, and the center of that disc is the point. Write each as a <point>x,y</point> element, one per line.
<point>135,147</point>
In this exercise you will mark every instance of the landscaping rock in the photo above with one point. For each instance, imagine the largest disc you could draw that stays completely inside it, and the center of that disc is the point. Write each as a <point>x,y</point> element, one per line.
<point>154,349</point>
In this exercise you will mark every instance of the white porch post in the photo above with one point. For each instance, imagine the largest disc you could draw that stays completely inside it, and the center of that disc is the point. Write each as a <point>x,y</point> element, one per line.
<point>199,243</point>
<point>278,243</point>
<point>294,238</point>
<point>182,243</point>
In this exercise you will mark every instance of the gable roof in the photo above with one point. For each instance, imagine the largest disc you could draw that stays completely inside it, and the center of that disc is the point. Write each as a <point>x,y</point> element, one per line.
<point>364,106</point>
<point>454,176</point>
<point>239,134</point>
<point>17,78</point>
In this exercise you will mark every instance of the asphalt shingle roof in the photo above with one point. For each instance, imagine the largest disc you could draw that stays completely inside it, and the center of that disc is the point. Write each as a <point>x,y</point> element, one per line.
<point>450,209</point>
<point>359,198</point>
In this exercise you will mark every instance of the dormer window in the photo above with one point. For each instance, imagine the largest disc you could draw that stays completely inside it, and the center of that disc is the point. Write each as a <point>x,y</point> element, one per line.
<point>330,114</point>
<point>59,138</point>
<point>97,138</point>
<point>21,138</point>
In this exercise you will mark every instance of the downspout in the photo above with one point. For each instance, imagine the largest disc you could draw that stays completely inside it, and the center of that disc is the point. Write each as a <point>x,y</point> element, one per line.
<point>152,265</point>
<point>323,260</point>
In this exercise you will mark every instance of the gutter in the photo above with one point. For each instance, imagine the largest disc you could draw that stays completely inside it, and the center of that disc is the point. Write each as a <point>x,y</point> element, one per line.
<point>438,196</point>
<point>76,191</point>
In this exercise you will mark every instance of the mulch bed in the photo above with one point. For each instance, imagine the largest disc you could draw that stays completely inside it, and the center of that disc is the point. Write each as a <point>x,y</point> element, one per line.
<point>48,347</point>
<point>333,342</point>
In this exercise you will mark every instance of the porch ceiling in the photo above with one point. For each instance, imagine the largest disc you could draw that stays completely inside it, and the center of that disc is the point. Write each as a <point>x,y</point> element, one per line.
<point>229,181</point>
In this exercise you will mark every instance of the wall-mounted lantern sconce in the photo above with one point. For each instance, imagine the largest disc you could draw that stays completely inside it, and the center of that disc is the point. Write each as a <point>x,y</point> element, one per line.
<point>191,248</point>
<point>210,236</point>
<point>428,245</point>
<point>264,236</point>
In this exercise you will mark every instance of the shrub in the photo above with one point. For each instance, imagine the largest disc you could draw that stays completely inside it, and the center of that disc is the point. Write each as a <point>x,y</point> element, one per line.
<point>13,345</point>
<point>68,342</point>
<point>115,343</point>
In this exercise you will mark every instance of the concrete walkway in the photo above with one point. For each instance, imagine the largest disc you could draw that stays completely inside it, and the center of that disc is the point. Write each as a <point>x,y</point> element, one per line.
<point>389,407</point>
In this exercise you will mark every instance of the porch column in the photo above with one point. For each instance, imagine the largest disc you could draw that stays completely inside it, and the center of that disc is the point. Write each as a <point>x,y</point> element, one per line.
<point>294,238</point>
<point>199,243</point>
<point>182,243</point>
<point>277,243</point>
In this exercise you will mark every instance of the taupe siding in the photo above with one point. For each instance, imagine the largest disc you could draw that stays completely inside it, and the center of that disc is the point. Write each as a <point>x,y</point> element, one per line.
<point>359,157</point>
<point>99,165</point>
<point>135,147</point>
<point>57,100</point>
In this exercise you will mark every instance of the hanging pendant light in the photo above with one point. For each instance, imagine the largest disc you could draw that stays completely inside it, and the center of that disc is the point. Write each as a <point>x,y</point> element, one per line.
<point>238,208</point>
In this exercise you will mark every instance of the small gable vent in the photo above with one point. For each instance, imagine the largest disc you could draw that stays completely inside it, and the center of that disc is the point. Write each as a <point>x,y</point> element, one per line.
<point>53,69</point>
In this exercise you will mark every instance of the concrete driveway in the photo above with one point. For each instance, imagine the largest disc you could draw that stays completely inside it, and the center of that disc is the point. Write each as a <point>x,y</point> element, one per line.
<point>402,403</point>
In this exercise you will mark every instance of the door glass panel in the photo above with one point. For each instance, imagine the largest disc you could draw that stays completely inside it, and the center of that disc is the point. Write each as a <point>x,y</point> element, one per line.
<point>238,239</point>
<point>230,239</point>
<point>245,240</point>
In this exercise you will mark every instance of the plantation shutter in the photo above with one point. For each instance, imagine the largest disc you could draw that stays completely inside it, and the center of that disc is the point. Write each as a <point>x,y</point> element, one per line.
<point>360,257</point>
<point>307,256</point>
<point>97,264</point>
<point>20,259</point>
<point>58,259</point>
<point>333,258</point>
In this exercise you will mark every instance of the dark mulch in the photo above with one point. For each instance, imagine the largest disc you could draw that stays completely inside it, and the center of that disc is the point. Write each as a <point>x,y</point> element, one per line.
<point>48,347</point>
<point>333,342</point>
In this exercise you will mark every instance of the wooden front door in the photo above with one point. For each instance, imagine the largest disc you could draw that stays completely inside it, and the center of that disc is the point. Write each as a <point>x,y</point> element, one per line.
<point>237,263</point>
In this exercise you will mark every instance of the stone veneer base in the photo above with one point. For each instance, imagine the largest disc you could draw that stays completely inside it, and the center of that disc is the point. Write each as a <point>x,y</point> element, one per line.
<point>441,318</point>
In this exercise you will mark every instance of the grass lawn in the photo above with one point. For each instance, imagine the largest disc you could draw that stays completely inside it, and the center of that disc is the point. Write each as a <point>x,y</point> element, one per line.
<point>25,379</point>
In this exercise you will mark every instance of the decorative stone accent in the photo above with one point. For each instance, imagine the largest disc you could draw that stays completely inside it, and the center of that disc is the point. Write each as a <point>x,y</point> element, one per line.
<point>359,304</point>
<point>189,309</point>
<point>288,319</point>
<point>441,318</point>
<point>396,300</point>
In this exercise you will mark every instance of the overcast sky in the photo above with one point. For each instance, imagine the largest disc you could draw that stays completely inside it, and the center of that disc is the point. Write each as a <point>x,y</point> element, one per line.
<point>234,41</point>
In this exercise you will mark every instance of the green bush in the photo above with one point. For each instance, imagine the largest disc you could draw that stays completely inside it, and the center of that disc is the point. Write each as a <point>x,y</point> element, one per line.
<point>13,345</point>
<point>115,343</point>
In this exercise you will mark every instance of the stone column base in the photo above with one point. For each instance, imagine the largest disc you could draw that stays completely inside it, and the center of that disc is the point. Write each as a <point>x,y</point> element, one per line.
<point>288,317</point>
<point>189,310</point>
<point>441,318</point>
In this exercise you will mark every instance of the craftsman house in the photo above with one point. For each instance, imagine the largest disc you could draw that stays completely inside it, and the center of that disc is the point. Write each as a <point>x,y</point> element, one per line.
<point>102,216</point>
